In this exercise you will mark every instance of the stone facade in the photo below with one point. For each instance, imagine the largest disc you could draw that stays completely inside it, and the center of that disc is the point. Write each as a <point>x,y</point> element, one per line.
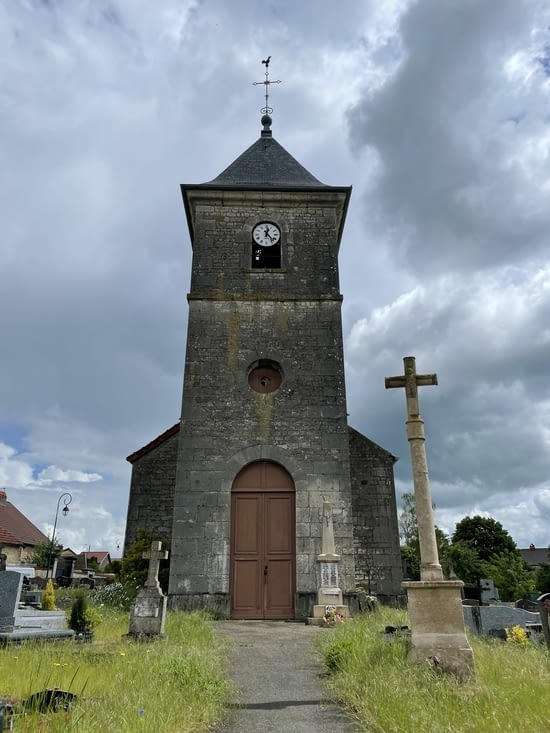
<point>375,540</point>
<point>288,317</point>
<point>151,502</point>
<point>239,317</point>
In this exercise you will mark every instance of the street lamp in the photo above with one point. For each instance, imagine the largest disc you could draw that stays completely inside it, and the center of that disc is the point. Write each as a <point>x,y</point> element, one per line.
<point>67,498</point>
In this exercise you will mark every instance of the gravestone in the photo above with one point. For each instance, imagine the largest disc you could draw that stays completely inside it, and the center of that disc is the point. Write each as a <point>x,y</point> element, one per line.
<point>488,591</point>
<point>485,620</point>
<point>10,592</point>
<point>149,610</point>
<point>434,604</point>
<point>18,623</point>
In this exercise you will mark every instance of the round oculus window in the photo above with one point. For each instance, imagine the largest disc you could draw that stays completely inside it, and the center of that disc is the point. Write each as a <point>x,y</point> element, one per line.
<point>265,378</point>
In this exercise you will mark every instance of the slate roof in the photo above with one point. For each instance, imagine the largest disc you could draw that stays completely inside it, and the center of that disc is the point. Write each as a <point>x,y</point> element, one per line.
<point>534,556</point>
<point>15,528</point>
<point>266,165</point>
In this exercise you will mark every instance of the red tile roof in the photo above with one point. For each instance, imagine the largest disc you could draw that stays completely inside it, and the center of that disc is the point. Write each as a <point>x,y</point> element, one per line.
<point>99,555</point>
<point>15,528</point>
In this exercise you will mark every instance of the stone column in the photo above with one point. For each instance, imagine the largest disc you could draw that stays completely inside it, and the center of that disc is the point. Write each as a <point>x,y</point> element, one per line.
<point>434,604</point>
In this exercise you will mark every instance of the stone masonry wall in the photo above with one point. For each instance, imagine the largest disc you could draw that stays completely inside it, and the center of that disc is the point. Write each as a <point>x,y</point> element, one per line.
<point>151,501</point>
<point>375,535</point>
<point>238,316</point>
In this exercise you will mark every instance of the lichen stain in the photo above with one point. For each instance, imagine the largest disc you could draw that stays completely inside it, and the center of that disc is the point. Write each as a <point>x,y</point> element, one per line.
<point>264,411</point>
<point>282,319</point>
<point>232,344</point>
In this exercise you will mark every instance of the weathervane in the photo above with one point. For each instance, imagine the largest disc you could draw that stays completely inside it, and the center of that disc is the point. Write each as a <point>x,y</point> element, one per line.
<point>267,110</point>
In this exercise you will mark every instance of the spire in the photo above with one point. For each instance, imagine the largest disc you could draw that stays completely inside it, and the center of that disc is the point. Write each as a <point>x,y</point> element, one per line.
<point>266,110</point>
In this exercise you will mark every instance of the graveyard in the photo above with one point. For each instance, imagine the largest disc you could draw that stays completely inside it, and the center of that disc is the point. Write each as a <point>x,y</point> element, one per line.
<point>150,669</point>
<point>172,684</point>
<point>177,682</point>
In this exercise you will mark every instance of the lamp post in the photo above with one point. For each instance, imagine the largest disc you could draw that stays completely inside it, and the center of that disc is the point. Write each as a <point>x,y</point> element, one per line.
<point>67,498</point>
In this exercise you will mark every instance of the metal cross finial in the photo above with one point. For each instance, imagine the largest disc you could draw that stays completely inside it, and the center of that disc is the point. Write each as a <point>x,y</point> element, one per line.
<point>267,110</point>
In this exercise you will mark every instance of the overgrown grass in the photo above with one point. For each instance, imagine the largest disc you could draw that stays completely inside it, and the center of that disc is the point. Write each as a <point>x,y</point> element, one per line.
<point>374,680</point>
<point>171,684</point>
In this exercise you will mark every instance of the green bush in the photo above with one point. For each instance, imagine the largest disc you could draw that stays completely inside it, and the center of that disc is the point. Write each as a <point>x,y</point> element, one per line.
<point>77,618</point>
<point>48,597</point>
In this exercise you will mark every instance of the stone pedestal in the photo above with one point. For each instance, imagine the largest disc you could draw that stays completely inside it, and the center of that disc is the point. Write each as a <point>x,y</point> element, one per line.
<point>437,624</point>
<point>148,613</point>
<point>329,595</point>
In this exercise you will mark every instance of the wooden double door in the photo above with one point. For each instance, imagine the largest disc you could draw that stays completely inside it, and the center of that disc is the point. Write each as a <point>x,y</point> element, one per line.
<point>263,543</point>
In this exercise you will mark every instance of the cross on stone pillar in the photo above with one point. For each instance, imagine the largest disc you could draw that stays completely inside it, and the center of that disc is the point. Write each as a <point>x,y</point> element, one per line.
<point>430,569</point>
<point>154,555</point>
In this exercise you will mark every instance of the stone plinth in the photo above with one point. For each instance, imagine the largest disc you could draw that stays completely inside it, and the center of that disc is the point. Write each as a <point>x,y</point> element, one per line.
<point>148,613</point>
<point>437,626</point>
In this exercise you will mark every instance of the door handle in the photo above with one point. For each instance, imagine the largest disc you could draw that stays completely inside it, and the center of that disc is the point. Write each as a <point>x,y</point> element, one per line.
<point>265,569</point>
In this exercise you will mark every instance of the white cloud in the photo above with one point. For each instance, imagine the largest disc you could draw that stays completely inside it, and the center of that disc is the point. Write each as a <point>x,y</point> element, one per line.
<point>54,474</point>
<point>13,472</point>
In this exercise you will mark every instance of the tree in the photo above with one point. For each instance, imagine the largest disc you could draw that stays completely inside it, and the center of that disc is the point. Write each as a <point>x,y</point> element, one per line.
<point>44,554</point>
<point>408,523</point>
<point>484,535</point>
<point>92,564</point>
<point>482,548</point>
<point>542,579</point>
<point>465,563</point>
<point>511,575</point>
<point>135,567</point>
<point>115,566</point>
<point>408,532</point>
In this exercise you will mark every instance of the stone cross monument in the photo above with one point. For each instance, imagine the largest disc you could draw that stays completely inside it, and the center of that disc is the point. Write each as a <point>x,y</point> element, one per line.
<point>434,604</point>
<point>149,611</point>
<point>430,569</point>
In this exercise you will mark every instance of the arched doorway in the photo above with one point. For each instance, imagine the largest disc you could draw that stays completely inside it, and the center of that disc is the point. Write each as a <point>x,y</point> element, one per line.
<point>263,543</point>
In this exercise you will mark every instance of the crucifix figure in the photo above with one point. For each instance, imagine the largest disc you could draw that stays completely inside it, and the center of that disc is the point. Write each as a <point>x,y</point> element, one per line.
<point>154,555</point>
<point>430,569</point>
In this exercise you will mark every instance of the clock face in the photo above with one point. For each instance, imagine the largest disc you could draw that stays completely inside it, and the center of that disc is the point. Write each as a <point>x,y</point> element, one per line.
<point>266,234</point>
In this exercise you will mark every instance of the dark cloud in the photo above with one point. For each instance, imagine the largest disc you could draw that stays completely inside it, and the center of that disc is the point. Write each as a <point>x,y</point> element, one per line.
<point>458,184</point>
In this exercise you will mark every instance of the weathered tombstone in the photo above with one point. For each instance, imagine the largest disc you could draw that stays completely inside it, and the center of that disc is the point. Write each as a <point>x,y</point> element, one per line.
<point>10,592</point>
<point>488,590</point>
<point>329,595</point>
<point>149,610</point>
<point>434,604</point>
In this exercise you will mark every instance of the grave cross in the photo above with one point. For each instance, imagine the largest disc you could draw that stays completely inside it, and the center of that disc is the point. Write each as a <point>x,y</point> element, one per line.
<point>154,555</point>
<point>430,569</point>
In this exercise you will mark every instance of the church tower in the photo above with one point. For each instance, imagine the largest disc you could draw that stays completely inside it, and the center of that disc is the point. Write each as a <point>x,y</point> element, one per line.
<point>263,436</point>
<point>264,439</point>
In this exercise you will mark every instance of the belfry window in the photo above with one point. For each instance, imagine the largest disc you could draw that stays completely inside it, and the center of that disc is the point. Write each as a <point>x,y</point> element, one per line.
<point>266,246</point>
<point>266,257</point>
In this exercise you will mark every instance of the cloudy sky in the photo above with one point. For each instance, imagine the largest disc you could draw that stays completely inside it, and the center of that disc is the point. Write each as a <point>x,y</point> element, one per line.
<point>437,112</point>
